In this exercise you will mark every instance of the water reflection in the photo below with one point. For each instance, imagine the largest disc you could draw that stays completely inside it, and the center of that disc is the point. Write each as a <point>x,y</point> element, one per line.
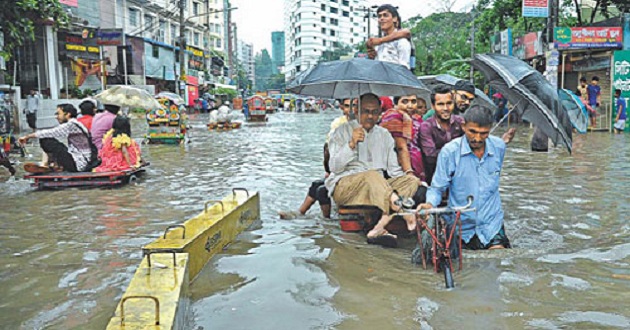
<point>68,255</point>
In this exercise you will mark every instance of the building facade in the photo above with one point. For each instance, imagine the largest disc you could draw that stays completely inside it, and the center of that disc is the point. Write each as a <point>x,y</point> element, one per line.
<point>246,58</point>
<point>311,27</point>
<point>277,51</point>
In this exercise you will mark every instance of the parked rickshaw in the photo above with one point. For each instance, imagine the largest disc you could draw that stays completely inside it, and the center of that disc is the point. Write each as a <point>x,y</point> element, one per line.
<point>166,124</point>
<point>257,109</point>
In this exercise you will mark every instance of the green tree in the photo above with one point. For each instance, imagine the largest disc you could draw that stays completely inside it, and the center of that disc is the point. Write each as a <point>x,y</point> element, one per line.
<point>263,69</point>
<point>441,40</point>
<point>276,82</point>
<point>335,53</point>
<point>18,19</point>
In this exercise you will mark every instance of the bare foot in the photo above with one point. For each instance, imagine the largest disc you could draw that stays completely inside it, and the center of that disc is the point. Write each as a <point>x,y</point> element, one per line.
<point>496,247</point>
<point>411,222</point>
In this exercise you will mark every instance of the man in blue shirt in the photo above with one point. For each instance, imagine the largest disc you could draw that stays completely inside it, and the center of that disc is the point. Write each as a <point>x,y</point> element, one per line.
<point>620,119</point>
<point>471,165</point>
<point>594,98</point>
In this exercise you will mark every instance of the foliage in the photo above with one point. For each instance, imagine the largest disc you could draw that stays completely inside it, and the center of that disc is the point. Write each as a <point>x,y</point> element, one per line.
<point>19,17</point>
<point>441,42</point>
<point>276,82</point>
<point>263,69</point>
<point>227,91</point>
<point>335,53</point>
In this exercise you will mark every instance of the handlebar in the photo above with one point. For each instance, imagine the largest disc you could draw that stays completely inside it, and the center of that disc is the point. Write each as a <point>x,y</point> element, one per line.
<point>441,210</point>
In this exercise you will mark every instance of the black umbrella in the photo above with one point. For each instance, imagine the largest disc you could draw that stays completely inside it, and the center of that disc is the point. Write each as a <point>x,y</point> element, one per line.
<point>355,77</point>
<point>480,97</point>
<point>533,96</point>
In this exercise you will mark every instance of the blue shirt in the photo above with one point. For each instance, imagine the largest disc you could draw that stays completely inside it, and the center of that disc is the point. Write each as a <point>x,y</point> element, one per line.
<point>593,91</point>
<point>621,106</point>
<point>464,174</point>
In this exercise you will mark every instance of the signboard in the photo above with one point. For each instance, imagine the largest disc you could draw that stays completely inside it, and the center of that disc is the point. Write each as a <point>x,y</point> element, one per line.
<point>587,37</point>
<point>551,72</point>
<point>528,46</point>
<point>621,81</point>
<point>109,37</point>
<point>74,46</point>
<point>535,8</point>
<point>501,43</point>
<point>71,3</point>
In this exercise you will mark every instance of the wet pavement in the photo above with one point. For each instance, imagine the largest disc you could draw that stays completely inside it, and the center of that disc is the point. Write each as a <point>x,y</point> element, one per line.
<point>67,256</point>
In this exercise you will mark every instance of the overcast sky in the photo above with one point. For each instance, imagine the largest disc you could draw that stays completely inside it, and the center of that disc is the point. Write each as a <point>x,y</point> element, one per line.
<point>256,19</point>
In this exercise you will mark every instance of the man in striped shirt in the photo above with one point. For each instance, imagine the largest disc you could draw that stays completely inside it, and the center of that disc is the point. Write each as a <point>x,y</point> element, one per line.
<point>75,156</point>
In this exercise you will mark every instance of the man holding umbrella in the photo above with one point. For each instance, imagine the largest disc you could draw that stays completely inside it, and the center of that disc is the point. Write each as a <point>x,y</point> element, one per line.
<point>365,170</point>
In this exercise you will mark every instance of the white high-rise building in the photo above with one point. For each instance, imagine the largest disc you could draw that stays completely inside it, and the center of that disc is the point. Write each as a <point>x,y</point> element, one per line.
<point>313,26</point>
<point>245,57</point>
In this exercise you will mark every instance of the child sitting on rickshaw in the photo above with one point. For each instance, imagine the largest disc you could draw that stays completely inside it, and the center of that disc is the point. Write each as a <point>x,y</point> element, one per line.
<point>120,152</point>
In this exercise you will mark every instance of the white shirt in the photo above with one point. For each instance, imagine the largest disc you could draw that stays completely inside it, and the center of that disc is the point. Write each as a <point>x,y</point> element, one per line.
<point>32,104</point>
<point>397,51</point>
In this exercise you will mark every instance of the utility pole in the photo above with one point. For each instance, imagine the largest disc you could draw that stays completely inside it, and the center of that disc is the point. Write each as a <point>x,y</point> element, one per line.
<point>552,20</point>
<point>472,45</point>
<point>182,49</point>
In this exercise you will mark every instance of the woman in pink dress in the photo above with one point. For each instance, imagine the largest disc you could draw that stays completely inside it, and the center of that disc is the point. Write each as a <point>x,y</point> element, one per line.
<point>120,152</point>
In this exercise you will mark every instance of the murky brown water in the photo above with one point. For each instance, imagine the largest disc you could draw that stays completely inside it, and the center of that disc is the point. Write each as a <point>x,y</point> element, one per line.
<point>67,256</point>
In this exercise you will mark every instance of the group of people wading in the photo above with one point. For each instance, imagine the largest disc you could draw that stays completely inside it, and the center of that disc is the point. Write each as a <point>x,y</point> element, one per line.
<point>397,150</point>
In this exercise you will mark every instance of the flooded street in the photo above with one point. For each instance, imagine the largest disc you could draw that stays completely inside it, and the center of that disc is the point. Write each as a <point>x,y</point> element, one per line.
<point>67,256</point>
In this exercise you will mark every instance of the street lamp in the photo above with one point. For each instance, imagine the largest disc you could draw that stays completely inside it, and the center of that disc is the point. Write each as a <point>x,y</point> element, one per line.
<point>182,39</point>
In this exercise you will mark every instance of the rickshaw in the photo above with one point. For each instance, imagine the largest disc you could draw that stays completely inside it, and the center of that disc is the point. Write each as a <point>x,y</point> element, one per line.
<point>299,105</point>
<point>166,124</point>
<point>274,104</point>
<point>8,141</point>
<point>269,108</point>
<point>257,109</point>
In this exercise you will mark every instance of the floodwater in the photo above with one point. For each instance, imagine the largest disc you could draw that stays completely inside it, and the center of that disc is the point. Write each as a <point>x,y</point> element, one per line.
<point>67,256</point>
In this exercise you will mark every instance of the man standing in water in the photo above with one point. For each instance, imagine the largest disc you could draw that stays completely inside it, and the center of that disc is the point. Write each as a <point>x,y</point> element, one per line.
<point>471,166</point>
<point>365,171</point>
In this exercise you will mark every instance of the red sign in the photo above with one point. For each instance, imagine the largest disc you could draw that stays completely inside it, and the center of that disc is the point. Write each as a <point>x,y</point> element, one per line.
<point>528,46</point>
<point>193,94</point>
<point>71,3</point>
<point>192,80</point>
<point>588,37</point>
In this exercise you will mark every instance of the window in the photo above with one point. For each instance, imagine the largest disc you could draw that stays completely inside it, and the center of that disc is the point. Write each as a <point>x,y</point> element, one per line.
<point>162,32</point>
<point>133,17</point>
<point>345,2</point>
<point>334,21</point>
<point>205,41</point>
<point>323,30</point>
<point>173,33</point>
<point>323,19</point>
<point>195,8</point>
<point>323,7</point>
<point>332,33</point>
<point>218,44</point>
<point>346,14</point>
<point>324,42</point>
<point>155,51</point>
<point>334,10</point>
<point>148,23</point>
<point>196,38</point>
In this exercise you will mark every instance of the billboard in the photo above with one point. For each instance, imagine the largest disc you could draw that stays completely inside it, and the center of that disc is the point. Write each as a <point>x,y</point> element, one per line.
<point>501,43</point>
<point>528,46</point>
<point>621,81</point>
<point>71,3</point>
<point>587,37</point>
<point>535,8</point>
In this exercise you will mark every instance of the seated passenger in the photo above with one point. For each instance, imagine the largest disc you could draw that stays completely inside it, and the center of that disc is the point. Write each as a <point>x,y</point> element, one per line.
<point>221,115</point>
<point>405,131</point>
<point>102,123</point>
<point>72,158</point>
<point>318,192</point>
<point>440,129</point>
<point>120,152</point>
<point>365,170</point>
<point>471,165</point>
<point>87,113</point>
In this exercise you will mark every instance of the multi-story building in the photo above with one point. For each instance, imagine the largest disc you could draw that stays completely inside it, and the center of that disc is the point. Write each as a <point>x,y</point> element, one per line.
<point>246,58</point>
<point>311,27</point>
<point>277,51</point>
